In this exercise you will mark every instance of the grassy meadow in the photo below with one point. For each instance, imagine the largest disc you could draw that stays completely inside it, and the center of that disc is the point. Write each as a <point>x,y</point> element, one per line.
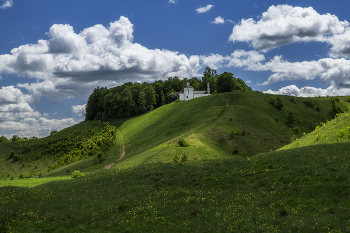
<point>246,169</point>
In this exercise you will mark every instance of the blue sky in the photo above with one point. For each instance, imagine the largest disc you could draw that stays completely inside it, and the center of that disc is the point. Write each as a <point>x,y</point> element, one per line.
<point>54,53</point>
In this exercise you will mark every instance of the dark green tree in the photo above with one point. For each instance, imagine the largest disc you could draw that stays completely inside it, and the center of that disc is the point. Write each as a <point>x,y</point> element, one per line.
<point>15,138</point>
<point>290,118</point>
<point>95,103</point>
<point>142,101</point>
<point>3,139</point>
<point>162,98</point>
<point>225,82</point>
<point>150,95</point>
<point>209,76</point>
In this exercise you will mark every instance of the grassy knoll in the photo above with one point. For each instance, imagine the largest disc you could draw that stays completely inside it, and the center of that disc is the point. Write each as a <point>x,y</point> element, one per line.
<point>251,126</point>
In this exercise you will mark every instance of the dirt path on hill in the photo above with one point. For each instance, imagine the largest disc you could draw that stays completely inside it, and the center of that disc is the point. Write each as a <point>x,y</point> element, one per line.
<point>122,153</point>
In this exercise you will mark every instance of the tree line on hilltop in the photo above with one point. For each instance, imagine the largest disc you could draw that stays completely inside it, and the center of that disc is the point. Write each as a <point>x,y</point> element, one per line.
<point>132,99</point>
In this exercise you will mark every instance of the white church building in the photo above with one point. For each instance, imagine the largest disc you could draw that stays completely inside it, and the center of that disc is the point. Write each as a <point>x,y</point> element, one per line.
<point>189,93</point>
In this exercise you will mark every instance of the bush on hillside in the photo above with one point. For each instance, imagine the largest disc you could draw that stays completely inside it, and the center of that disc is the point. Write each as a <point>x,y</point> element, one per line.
<point>292,99</point>
<point>334,109</point>
<point>277,103</point>
<point>77,173</point>
<point>343,134</point>
<point>308,102</point>
<point>235,132</point>
<point>290,119</point>
<point>183,143</point>
<point>12,153</point>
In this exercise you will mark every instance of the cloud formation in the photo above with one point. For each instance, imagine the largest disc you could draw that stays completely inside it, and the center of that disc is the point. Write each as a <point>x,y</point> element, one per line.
<point>13,100</point>
<point>285,24</point>
<point>6,4</point>
<point>29,126</point>
<point>334,71</point>
<point>218,20</point>
<point>204,9</point>
<point>309,91</point>
<point>79,110</point>
<point>70,63</point>
<point>18,117</point>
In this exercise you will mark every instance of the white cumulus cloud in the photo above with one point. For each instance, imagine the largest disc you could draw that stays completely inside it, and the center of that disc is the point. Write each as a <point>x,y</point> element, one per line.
<point>285,24</point>
<point>40,127</point>
<point>71,64</point>
<point>79,110</point>
<point>309,91</point>
<point>218,20</point>
<point>204,8</point>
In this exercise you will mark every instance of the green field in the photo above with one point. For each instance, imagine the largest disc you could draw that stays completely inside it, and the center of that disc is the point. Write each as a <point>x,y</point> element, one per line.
<point>231,177</point>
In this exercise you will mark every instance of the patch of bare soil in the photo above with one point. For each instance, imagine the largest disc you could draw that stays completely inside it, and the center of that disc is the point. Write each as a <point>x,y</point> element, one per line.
<point>122,152</point>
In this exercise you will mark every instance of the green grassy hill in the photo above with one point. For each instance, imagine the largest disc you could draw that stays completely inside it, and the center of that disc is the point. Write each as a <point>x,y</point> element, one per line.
<point>214,130</point>
<point>212,188</point>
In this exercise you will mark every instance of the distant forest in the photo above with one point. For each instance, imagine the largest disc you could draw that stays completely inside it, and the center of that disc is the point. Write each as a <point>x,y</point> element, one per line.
<point>132,99</point>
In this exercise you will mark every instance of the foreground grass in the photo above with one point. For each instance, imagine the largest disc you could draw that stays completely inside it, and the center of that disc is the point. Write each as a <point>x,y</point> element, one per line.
<point>298,190</point>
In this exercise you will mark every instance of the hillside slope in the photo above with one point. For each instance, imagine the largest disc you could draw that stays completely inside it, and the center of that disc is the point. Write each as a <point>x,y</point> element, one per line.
<point>213,129</point>
<point>301,189</point>
<point>214,126</point>
<point>334,131</point>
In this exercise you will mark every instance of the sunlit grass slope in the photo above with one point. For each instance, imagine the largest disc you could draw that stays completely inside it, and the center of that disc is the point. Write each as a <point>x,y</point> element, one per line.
<point>334,131</point>
<point>246,128</point>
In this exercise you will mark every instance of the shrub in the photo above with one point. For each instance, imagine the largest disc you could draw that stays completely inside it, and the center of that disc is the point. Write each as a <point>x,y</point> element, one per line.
<point>335,110</point>
<point>317,109</point>
<point>343,134</point>
<point>235,151</point>
<point>77,173</point>
<point>276,118</point>
<point>16,157</point>
<point>176,159</point>
<point>279,103</point>
<point>27,149</point>
<point>292,99</point>
<point>184,158</point>
<point>168,132</point>
<point>296,130</point>
<point>12,154</point>
<point>235,132</point>
<point>290,119</point>
<point>183,143</point>
<point>308,102</point>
